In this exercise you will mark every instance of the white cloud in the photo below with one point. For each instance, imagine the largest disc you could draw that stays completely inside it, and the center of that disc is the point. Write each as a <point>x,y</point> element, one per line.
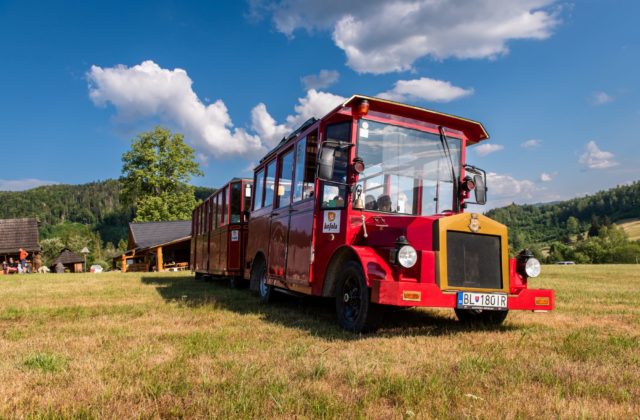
<point>425,89</point>
<point>545,177</point>
<point>390,35</point>
<point>531,144</point>
<point>487,148</point>
<point>147,90</point>
<point>503,189</point>
<point>314,104</point>
<point>23,184</point>
<point>321,80</point>
<point>601,98</point>
<point>594,158</point>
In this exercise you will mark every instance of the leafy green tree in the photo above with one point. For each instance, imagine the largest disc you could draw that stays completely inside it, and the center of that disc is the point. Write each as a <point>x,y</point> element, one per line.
<point>155,176</point>
<point>51,247</point>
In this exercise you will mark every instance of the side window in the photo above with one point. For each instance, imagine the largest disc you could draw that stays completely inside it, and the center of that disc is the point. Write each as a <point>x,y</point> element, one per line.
<point>284,180</point>
<point>340,132</point>
<point>259,185</point>
<point>247,196</point>
<point>333,196</point>
<point>333,193</point>
<point>305,167</point>
<point>270,183</point>
<point>218,209</point>
<point>235,198</point>
<point>224,206</point>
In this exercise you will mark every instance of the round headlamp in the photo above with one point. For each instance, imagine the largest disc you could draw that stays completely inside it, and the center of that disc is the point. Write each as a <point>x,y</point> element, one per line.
<point>532,267</point>
<point>407,256</point>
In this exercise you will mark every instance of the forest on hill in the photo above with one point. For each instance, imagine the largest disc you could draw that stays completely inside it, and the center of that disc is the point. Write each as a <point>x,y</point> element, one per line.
<point>581,229</point>
<point>75,216</point>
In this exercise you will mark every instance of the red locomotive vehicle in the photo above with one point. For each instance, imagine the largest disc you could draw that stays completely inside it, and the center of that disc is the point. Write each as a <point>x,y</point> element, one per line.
<point>367,206</point>
<point>219,232</point>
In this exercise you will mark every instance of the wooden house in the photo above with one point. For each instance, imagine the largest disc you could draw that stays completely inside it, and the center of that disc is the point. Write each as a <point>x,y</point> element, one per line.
<point>16,234</point>
<point>157,246</point>
<point>71,261</point>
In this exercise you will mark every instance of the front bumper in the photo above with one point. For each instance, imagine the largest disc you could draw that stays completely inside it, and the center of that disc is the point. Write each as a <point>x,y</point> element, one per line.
<point>399,293</point>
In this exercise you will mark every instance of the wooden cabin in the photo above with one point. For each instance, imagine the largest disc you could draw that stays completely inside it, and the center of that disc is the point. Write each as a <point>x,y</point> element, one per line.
<point>72,262</point>
<point>16,234</point>
<point>157,246</point>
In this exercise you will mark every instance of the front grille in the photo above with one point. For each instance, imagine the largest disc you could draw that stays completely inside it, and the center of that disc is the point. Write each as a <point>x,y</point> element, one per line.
<point>473,261</point>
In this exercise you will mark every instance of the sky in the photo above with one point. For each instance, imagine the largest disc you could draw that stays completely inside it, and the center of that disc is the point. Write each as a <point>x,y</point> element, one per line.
<point>556,84</point>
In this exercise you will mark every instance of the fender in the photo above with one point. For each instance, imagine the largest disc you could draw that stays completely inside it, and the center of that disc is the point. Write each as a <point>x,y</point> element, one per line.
<point>374,266</point>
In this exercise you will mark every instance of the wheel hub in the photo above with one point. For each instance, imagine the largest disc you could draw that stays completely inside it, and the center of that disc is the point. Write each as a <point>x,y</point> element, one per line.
<point>346,298</point>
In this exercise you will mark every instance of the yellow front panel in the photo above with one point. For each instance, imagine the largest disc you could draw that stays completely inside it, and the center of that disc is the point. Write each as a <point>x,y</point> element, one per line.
<point>476,224</point>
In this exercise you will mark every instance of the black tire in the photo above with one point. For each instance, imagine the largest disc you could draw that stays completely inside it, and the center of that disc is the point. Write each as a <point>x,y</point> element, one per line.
<point>199,276</point>
<point>354,309</point>
<point>480,317</point>
<point>258,282</point>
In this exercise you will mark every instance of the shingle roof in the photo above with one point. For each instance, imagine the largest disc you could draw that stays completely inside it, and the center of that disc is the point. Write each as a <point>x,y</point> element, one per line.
<point>18,233</point>
<point>67,257</point>
<point>149,234</point>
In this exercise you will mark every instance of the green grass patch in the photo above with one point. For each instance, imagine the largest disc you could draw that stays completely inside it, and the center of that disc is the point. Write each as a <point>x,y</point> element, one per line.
<point>45,362</point>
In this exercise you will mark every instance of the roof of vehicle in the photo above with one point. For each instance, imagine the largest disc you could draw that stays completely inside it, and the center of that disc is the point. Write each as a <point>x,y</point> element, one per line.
<point>474,130</point>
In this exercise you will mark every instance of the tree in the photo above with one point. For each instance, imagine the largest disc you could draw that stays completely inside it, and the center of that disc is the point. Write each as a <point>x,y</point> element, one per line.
<point>155,176</point>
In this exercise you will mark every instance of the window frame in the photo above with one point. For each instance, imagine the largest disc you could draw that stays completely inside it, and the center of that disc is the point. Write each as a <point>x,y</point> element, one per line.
<point>279,171</point>
<point>273,162</point>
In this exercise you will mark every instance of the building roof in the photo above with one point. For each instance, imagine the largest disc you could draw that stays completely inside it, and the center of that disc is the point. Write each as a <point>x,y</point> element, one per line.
<point>67,257</point>
<point>150,234</point>
<point>18,233</point>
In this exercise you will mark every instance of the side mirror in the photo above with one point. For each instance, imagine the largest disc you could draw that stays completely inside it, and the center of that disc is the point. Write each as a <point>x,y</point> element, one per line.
<point>326,162</point>
<point>481,189</point>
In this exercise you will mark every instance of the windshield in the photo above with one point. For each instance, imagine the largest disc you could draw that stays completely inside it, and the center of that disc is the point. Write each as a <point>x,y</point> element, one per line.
<point>407,171</point>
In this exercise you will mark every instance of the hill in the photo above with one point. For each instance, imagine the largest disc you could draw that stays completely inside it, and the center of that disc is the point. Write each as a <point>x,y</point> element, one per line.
<point>545,223</point>
<point>631,227</point>
<point>95,205</point>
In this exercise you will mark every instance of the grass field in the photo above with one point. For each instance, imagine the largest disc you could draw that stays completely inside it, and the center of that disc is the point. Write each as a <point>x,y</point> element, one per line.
<point>145,345</point>
<point>632,227</point>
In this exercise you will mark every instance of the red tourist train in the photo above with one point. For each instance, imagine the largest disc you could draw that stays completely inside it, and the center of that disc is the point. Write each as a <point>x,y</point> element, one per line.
<point>219,232</point>
<point>367,206</point>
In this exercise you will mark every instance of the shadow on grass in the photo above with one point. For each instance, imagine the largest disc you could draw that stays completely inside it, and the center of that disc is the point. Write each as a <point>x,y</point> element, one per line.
<point>312,314</point>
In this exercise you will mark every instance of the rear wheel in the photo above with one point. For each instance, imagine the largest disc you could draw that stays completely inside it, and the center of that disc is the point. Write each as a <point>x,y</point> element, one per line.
<point>481,317</point>
<point>355,311</point>
<point>259,279</point>
<point>199,276</point>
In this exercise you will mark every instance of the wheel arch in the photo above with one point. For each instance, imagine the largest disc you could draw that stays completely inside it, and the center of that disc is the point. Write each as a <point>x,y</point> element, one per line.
<point>365,256</point>
<point>260,257</point>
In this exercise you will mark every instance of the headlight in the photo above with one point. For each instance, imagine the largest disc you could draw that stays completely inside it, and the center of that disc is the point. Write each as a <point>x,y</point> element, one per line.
<point>407,256</point>
<point>532,267</point>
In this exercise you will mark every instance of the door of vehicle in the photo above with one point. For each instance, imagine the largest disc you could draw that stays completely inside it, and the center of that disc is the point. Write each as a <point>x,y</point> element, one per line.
<point>280,215</point>
<point>299,243</point>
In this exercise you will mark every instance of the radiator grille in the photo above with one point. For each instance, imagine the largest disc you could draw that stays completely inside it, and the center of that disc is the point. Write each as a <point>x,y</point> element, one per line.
<point>473,260</point>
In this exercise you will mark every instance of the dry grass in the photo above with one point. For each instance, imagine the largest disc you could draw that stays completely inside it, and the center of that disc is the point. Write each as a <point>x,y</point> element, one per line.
<point>131,345</point>
<point>632,227</point>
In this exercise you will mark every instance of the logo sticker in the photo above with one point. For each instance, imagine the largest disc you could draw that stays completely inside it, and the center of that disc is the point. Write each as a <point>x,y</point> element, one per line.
<point>234,236</point>
<point>331,222</point>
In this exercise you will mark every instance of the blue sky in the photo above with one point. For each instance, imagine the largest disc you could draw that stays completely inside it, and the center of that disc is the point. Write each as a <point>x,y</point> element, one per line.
<point>556,84</point>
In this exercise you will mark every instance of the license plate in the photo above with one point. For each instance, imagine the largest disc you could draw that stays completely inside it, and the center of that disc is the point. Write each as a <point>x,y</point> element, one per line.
<point>493,301</point>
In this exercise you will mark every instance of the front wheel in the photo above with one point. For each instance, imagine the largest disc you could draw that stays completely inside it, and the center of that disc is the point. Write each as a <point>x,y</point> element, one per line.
<point>355,311</point>
<point>483,317</point>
